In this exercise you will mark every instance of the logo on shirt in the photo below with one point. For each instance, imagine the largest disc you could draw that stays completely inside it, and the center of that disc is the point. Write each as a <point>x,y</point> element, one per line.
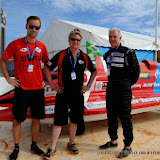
<point>35,57</point>
<point>38,49</point>
<point>49,63</point>
<point>23,49</point>
<point>80,62</point>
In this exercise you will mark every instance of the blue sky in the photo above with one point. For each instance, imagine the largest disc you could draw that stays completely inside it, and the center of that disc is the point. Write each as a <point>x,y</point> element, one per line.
<point>136,16</point>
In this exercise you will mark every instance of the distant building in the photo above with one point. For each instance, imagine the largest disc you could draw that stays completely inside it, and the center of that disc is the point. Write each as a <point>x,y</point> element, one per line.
<point>3,20</point>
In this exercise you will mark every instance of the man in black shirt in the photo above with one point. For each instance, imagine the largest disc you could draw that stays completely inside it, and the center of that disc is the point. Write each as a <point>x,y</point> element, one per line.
<point>71,66</point>
<point>123,71</point>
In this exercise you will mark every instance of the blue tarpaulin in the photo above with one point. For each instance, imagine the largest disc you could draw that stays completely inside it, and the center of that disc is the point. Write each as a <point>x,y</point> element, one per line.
<point>141,54</point>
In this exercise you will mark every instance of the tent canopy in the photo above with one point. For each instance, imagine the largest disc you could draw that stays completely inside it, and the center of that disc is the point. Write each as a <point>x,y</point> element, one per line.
<point>56,37</point>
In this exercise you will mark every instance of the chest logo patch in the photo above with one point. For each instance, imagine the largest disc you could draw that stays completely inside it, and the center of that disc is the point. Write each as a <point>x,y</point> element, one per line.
<point>38,49</point>
<point>49,63</point>
<point>80,62</point>
<point>23,49</point>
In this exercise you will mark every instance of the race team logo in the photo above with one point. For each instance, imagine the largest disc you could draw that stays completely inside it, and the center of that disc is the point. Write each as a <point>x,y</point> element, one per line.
<point>38,49</point>
<point>49,63</point>
<point>23,49</point>
<point>81,62</point>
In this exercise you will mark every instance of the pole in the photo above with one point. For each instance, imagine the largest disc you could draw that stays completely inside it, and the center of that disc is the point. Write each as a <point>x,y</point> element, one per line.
<point>156,29</point>
<point>0,36</point>
<point>0,29</point>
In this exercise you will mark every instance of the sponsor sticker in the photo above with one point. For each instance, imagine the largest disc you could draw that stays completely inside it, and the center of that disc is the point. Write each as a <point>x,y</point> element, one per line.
<point>49,109</point>
<point>49,92</point>
<point>94,105</point>
<point>104,85</point>
<point>100,85</point>
<point>144,75</point>
<point>145,100</point>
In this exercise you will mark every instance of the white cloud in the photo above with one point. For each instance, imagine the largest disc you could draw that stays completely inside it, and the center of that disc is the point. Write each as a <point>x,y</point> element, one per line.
<point>118,12</point>
<point>82,5</point>
<point>101,5</point>
<point>136,16</point>
<point>20,35</point>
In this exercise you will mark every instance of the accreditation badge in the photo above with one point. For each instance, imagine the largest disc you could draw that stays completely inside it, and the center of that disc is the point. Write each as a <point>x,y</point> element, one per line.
<point>108,72</point>
<point>30,68</point>
<point>73,75</point>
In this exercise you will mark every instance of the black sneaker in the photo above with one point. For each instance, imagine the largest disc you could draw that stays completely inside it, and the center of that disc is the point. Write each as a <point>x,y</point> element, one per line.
<point>124,153</point>
<point>108,145</point>
<point>14,154</point>
<point>36,150</point>
<point>49,153</point>
<point>72,147</point>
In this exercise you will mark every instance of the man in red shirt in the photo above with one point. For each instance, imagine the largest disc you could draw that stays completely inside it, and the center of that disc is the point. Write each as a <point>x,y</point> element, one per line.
<point>28,52</point>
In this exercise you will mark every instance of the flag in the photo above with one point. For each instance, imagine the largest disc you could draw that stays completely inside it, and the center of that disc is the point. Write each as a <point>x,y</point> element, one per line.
<point>90,48</point>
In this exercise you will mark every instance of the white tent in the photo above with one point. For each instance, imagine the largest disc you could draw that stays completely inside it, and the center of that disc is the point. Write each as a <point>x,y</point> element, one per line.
<point>56,37</point>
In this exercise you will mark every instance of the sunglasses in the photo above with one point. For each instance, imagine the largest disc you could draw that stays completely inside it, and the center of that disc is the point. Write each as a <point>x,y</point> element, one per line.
<point>73,39</point>
<point>31,27</point>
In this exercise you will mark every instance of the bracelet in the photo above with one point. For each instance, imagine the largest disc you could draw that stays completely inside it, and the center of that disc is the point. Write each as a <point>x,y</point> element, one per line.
<point>88,86</point>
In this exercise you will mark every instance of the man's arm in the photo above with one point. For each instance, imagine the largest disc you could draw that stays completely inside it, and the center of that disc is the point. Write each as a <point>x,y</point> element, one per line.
<point>48,76</point>
<point>93,74</point>
<point>134,66</point>
<point>91,79</point>
<point>13,82</point>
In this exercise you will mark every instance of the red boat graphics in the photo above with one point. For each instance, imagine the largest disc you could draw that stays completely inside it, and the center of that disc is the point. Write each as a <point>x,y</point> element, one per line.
<point>146,93</point>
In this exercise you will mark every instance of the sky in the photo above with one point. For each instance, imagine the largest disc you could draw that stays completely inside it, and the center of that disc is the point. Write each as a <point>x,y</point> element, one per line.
<point>136,16</point>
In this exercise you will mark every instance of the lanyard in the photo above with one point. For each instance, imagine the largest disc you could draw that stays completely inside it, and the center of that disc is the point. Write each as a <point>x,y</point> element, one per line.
<point>111,57</point>
<point>75,61</point>
<point>30,56</point>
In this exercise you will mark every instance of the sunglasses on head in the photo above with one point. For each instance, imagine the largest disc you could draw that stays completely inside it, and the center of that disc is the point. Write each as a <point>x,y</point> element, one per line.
<point>31,27</point>
<point>73,39</point>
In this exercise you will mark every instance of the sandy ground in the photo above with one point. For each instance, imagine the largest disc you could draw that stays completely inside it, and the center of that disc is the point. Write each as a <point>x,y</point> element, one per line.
<point>146,144</point>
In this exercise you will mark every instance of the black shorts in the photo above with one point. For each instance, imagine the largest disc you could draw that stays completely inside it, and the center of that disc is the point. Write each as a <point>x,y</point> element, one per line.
<point>67,105</point>
<point>25,98</point>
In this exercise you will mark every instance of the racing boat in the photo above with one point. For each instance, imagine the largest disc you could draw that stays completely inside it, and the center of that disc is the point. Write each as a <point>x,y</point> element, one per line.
<point>146,93</point>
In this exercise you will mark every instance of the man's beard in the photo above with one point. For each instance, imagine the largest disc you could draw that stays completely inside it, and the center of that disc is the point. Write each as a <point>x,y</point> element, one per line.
<point>32,35</point>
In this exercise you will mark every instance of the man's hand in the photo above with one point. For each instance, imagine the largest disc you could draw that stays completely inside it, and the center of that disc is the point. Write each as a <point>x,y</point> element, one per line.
<point>84,89</point>
<point>58,89</point>
<point>44,83</point>
<point>14,82</point>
